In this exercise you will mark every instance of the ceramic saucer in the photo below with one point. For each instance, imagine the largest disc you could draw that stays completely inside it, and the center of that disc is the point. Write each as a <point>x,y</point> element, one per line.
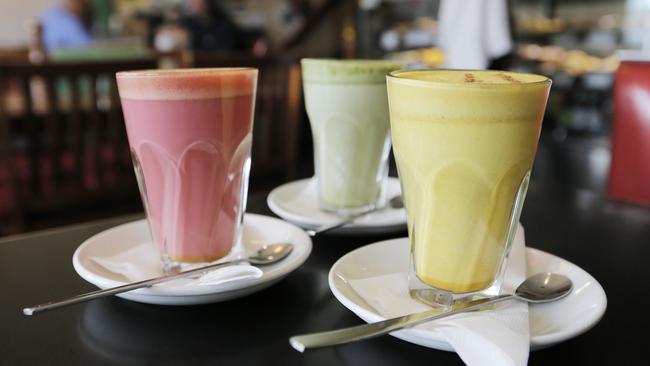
<point>549,323</point>
<point>257,231</point>
<point>297,202</point>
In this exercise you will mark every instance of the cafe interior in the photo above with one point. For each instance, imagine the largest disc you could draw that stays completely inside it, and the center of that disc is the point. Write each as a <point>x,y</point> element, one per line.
<point>65,158</point>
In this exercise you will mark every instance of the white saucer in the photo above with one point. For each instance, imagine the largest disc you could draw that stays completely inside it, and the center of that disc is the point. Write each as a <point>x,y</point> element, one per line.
<point>258,230</point>
<point>297,202</point>
<point>549,323</point>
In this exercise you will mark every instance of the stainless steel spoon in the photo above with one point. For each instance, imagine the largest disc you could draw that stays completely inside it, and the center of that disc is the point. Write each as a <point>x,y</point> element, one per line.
<point>268,254</point>
<point>542,287</point>
<point>395,203</point>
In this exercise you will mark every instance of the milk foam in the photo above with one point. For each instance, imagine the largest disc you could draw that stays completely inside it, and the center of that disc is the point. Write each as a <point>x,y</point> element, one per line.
<point>332,71</point>
<point>470,77</point>
<point>451,96</point>
<point>183,84</point>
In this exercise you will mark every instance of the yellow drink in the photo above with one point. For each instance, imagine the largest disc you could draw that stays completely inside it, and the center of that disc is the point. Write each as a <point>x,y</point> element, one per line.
<point>464,142</point>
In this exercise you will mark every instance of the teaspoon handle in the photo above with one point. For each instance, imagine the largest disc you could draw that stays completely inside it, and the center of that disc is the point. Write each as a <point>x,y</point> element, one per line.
<point>394,203</point>
<point>366,331</point>
<point>124,288</point>
<point>336,225</point>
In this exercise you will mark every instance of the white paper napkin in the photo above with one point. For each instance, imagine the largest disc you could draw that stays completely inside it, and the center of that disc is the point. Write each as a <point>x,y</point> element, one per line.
<point>143,262</point>
<point>491,337</point>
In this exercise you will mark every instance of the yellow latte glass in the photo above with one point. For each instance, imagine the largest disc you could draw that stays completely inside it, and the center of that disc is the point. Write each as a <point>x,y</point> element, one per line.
<point>464,143</point>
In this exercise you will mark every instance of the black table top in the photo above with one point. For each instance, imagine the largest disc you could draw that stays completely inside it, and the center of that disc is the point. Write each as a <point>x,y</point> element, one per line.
<point>609,240</point>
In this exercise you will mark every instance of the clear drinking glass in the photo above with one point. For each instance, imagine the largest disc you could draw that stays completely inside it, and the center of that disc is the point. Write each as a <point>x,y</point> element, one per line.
<point>464,143</point>
<point>348,112</point>
<point>190,133</point>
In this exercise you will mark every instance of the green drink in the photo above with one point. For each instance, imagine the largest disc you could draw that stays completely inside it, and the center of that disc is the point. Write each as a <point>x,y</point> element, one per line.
<point>348,112</point>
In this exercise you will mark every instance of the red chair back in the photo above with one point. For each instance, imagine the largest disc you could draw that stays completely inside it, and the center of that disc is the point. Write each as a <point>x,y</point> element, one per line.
<point>629,178</point>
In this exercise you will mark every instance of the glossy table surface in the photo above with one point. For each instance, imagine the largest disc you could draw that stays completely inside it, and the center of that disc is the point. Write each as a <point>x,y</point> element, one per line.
<point>609,240</point>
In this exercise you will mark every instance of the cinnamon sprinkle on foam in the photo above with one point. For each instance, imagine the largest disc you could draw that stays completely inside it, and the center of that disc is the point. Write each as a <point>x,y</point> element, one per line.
<point>508,78</point>
<point>471,78</point>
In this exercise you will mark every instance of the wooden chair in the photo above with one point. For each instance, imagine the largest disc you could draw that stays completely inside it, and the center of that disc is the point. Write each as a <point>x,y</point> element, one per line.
<point>277,114</point>
<point>62,139</point>
<point>18,54</point>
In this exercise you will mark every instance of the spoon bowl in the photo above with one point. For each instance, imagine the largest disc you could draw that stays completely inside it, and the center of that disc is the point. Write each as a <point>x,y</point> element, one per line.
<point>396,202</point>
<point>544,287</point>
<point>271,253</point>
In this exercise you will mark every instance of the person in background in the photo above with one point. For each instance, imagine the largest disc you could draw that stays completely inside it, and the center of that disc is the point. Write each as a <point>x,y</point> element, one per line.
<point>474,34</point>
<point>209,28</point>
<point>66,25</point>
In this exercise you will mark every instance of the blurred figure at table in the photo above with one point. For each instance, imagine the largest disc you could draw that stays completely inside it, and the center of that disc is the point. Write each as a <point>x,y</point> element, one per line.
<point>66,25</point>
<point>209,28</point>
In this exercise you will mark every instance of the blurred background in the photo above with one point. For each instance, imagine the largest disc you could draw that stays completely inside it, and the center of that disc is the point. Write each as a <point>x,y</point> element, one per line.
<point>63,152</point>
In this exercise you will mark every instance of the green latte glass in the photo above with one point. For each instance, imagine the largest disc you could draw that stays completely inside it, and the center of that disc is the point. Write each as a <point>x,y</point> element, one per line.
<point>348,112</point>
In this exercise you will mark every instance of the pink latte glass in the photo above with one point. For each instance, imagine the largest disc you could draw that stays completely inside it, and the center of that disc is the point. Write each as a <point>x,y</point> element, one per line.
<point>190,133</point>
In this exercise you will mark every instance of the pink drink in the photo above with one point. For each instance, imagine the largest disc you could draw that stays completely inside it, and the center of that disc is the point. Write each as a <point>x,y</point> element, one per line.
<point>190,138</point>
